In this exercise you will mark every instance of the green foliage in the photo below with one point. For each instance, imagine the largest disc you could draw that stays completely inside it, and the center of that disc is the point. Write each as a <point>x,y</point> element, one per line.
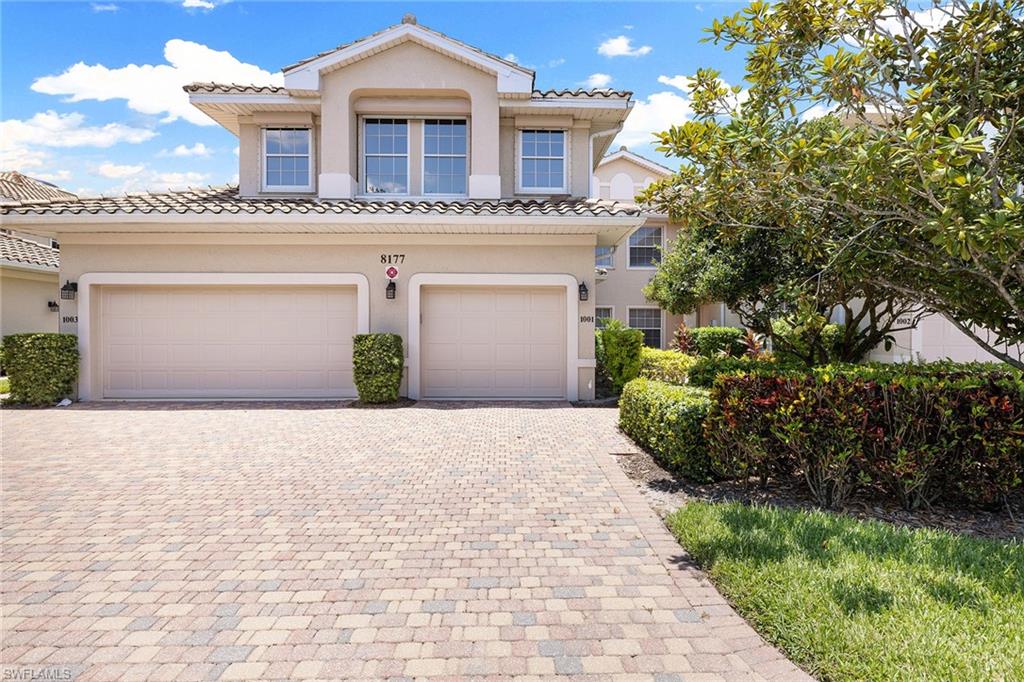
<point>863,600</point>
<point>709,341</point>
<point>42,368</point>
<point>705,370</point>
<point>668,421</point>
<point>377,361</point>
<point>618,350</point>
<point>669,366</point>
<point>909,192</point>
<point>918,432</point>
<point>810,344</point>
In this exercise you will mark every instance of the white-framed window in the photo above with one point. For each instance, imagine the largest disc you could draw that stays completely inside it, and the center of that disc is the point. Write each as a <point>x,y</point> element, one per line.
<point>444,156</point>
<point>542,161</point>
<point>647,320</point>
<point>602,314</point>
<point>645,247</point>
<point>287,159</point>
<point>386,156</point>
<point>604,256</point>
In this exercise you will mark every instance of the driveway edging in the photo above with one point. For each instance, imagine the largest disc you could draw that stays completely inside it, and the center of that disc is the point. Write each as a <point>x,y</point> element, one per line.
<point>746,648</point>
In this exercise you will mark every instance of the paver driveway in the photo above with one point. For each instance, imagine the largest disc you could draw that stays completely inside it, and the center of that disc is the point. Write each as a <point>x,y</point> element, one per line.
<point>311,541</point>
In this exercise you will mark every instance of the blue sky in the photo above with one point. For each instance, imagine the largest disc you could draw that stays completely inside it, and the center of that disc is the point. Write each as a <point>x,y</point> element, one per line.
<point>91,94</point>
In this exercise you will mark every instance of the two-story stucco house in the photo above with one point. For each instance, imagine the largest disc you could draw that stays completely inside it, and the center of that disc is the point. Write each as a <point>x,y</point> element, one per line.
<point>405,182</point>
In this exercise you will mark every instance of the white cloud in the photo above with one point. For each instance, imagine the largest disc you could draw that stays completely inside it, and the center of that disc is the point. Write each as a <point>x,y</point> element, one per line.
<point>21,139</point>
<point>552,63</point>
<point>56,176</point>
<point>685,84</point>
<point>598,80</point>
<point>818,110</point>
<point>622,46</point>
<point>197,4</point>
<point>156,88</point>
<point>117,171</point>
<point>104,7</point>
<point>198,149</point>
<point>237,150</point>
<point>511,57</point>
<point>654,114</point>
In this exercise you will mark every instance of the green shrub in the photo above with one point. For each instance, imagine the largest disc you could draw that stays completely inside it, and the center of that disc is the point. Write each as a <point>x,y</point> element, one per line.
<point>808,344</point>
<point>668,421</point>
<point>711,341</point>
<point>917,431</point>
<point>619,353</point>
<point>377,361</point>
<point>42,368</point>
<point>705,370</point>
<point>669,366</point>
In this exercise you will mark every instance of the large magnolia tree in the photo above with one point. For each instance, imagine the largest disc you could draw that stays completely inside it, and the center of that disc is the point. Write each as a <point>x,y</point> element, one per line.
<point>880,140</point>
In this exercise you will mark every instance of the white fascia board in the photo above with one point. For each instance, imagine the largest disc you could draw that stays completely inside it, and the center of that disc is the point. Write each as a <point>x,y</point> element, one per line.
<point>242,98</point>
<point>28,267</point>
<point>545,104</point>
<point>510,79</point>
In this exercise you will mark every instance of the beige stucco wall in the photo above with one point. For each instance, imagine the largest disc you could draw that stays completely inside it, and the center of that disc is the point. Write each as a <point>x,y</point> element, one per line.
<point>623,287</point>
<point>572,255</point>
<point>622,180</point>
<point>23,301</point>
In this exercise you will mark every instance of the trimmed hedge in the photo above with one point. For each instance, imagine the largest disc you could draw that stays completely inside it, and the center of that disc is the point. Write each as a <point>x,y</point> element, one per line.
<point>377,361</point>
<point>42,368</point>
<point>669,366</point>
<point>668,421</point>
<point>916,431</point>
<point>711,341</point>
<point>705,370</point>
<point>618,353</point>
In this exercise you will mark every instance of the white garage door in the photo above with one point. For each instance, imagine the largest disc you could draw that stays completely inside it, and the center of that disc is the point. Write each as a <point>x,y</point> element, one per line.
<point>493,342</point>
<point>227,342</point>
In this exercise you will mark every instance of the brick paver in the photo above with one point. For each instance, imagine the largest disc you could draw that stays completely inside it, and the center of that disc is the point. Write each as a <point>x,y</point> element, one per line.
<point>309,540</point>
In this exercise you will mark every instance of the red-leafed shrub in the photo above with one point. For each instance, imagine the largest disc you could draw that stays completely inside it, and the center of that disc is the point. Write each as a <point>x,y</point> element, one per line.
<point>918,432</point>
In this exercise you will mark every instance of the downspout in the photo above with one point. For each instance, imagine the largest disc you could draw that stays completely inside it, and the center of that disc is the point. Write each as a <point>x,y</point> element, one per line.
<point>590,155</point>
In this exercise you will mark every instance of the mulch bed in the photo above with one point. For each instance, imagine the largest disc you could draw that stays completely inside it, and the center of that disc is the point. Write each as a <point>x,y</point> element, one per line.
<point>666,492</point>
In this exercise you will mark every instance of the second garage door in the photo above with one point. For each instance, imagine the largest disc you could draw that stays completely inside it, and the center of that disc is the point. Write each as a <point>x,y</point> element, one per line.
<point>493,342</point>
<point>227,342</point>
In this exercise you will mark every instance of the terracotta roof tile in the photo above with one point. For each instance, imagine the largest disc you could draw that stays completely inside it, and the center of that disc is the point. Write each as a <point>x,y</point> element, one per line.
<point>607,93</point>
<point>234,88</point>
<point>217,200</point>
<point>28,252</point>
<point>18,188</point>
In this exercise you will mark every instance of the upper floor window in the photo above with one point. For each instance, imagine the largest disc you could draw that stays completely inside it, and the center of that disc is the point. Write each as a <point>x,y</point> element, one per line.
<point>386,155</point>
<point>604,257</point>
<point>288,162</point>
<point>542,161</point>
<point>444,157</point>
<point>645,247</point>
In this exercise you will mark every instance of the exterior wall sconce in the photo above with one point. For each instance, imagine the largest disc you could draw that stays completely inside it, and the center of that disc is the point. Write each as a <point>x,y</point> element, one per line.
<point>53,306</point>
<point>584,291</point>
<point>69,291</point>
<point>391,290</point>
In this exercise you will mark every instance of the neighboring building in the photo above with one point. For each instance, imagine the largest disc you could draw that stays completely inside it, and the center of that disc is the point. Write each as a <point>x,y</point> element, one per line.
<point>29,264</point>
<point>625,268</point>
<point>407,150</point>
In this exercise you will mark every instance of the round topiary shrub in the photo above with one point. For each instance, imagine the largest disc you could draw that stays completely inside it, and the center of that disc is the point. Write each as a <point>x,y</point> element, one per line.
<point>42,368</point>
<point>377,361</point>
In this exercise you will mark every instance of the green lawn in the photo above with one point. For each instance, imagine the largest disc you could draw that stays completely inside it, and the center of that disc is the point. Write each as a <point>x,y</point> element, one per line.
<point>855,600</point>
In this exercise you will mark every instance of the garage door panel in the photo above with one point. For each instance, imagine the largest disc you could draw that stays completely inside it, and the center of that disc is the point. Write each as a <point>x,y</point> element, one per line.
<point>213,342</point>
<point>493,342</point>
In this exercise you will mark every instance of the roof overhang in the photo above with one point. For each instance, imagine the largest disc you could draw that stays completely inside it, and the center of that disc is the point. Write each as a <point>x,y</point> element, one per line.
<point>306,75</point>
<point>7,264</point>
<point>607,229</point>
<point>226,109</point>
<point>647,164</point>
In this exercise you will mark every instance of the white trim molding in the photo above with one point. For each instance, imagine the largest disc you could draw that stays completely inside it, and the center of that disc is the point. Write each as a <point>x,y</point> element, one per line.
<point>91,279</point>
<point>573,362</point>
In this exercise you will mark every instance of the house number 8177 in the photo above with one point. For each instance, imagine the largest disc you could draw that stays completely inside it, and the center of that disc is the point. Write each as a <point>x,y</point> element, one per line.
<point>392,258</point>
